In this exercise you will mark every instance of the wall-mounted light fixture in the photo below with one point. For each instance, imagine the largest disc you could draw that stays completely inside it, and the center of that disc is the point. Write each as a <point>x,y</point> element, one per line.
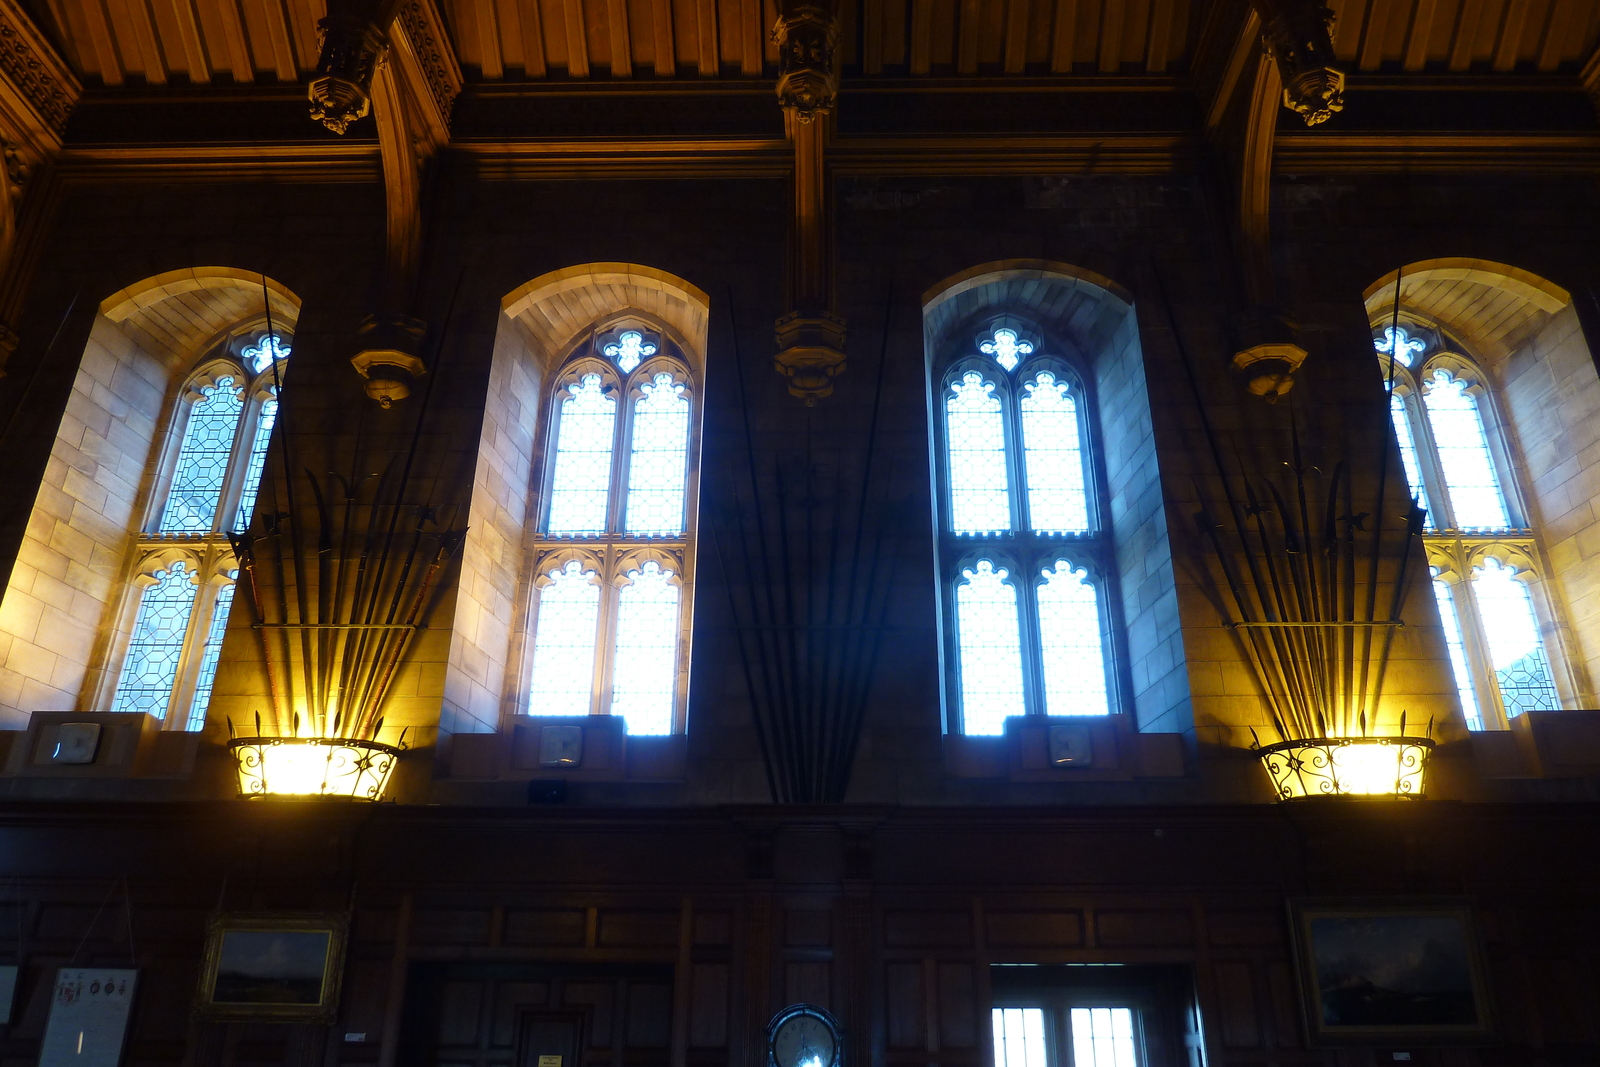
<point>1348,767</point>
<point>313,767</point>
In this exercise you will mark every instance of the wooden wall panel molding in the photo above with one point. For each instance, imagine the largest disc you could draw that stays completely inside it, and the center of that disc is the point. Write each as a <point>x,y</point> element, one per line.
<point>1334,152</point>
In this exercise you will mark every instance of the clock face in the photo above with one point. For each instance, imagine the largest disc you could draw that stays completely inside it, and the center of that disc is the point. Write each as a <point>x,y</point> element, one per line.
<point>804,1040</point>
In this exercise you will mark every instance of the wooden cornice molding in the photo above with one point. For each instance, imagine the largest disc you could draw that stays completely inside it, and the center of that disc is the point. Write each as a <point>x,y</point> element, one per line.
<point>500,160</point>
<point>1329,152</point>
<point>321,162</point>
<point>37,88</point>
<point>425,60</point>
<point>1072,154</point>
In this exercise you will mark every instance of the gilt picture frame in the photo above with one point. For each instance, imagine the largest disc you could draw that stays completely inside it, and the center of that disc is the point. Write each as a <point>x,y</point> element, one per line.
<point>273,966</point>
<point>1376,972</point>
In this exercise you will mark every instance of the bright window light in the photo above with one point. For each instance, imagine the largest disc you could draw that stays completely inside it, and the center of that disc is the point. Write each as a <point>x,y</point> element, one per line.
<point>211,654</point>
<point>1069,638</point>
<point>564,643</point>
<point>644,685</point>
<point>1408,455</point>
<point>1458,651</point>
<point>1463,447</point>
<point>1053,457</point>
<point>1019,1037</point>
<point>980,489</point>
<point>580,487</point>
<point>1515,647</point>
<point>990,641</point>
<point>258,463</point>
<point>658,465</point>
<point>1103,1037</point>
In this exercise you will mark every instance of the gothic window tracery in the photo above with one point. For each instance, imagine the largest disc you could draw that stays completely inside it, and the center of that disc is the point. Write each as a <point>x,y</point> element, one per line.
<point>206,487</point>
<point>1027,601</point>
<point>615,548</point>
<point>1484,557</point>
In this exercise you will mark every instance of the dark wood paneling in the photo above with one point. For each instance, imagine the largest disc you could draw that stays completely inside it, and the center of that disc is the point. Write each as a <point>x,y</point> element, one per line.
<point>1143,929</point>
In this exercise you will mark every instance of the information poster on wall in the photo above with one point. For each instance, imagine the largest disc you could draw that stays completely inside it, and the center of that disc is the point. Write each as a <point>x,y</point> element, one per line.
<point>88,1017</point>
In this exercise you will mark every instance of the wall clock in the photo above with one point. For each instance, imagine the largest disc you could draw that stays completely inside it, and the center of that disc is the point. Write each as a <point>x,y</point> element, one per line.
<point>803,1035</point>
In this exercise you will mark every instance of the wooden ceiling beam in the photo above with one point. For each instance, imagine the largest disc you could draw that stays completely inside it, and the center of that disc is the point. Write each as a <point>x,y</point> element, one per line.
<point>1015,60</point>
<point>753,60</point>
<point>427,69</point>
<point>1466,30</point>
<point>130,22</point>
<point>872,36</point>
<point>1064,41</point>
<point>1416,56</point>
<point>534,63</point>
<point>967,30</point>
<point>666,44</point>
<point>1111,21</point>
<point>1158,49</point>
<point>621,43</point>
<point>1505,52</point>
<point>176,22</point>
<point>577,40</point>
<point>921,36</point>
<point>710,50</point>
<point>224,30</point>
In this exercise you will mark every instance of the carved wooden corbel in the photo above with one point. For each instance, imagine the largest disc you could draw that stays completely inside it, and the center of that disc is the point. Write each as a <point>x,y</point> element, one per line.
<point>37,94</point>
<point>407,78</point>
<point>1298,36</point>
<point>811,336</point>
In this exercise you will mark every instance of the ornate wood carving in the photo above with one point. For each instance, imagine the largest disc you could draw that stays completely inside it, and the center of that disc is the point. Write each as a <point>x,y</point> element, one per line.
<point>341,90</point>
<point>811,336</point>
<point>428,64</point>
<point>1297,36</point>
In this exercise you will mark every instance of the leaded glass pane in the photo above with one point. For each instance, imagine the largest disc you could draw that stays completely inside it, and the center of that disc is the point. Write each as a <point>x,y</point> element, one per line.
<point>989,640</point>
<point>580,486</point>
<point>1103,1037</point>
<point>1053,457</point>
<point>644,684</point>
<point>1069,637</point>
<point>980,490</point>
<point>203,459</point>
<point>564,643</point>
<point>1400,344</point>
<point>658,466</point>
<point>258,463</point>
<point>151,668</point>
<point>1408,455</point>
<point>1516,650</point>
<point>1458,652</point>
<point>1019,1037</point>
<point>209,656</point>
<point>1463,447</point>
<point>1006,349</point>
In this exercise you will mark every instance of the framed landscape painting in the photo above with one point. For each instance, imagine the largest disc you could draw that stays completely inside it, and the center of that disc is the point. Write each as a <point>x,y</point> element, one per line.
<point>1387,973</point>
<point>282,966</point>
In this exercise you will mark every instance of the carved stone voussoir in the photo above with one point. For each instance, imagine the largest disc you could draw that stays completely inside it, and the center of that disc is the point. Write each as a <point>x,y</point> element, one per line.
<point>807,36</point>
<point>341,90</point>
<point>1298,35</point>
<point>37,74</point>
<point>425,31</point>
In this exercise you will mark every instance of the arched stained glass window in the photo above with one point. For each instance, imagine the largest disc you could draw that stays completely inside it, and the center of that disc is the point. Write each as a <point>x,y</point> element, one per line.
<point>216,454</point>
<point>989,635</point>
<point>658,469</point>
<point>1511,631</point>
<point>1441,410</point>
<point>645,677</point>
<point>580,487</point>
<point>1464,457</point>
<point>159,631</point>
<point>1020,542</point>
<point>208,446</point>
<point>980,488</point>
<point>608,635</point>
<point>1058,500</point>
<point>563,657</point>
<point>1071,654</point>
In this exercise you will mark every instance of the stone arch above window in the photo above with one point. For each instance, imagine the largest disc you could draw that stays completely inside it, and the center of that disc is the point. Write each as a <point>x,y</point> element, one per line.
<point>71,604</point>
<point>1502,348</point>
